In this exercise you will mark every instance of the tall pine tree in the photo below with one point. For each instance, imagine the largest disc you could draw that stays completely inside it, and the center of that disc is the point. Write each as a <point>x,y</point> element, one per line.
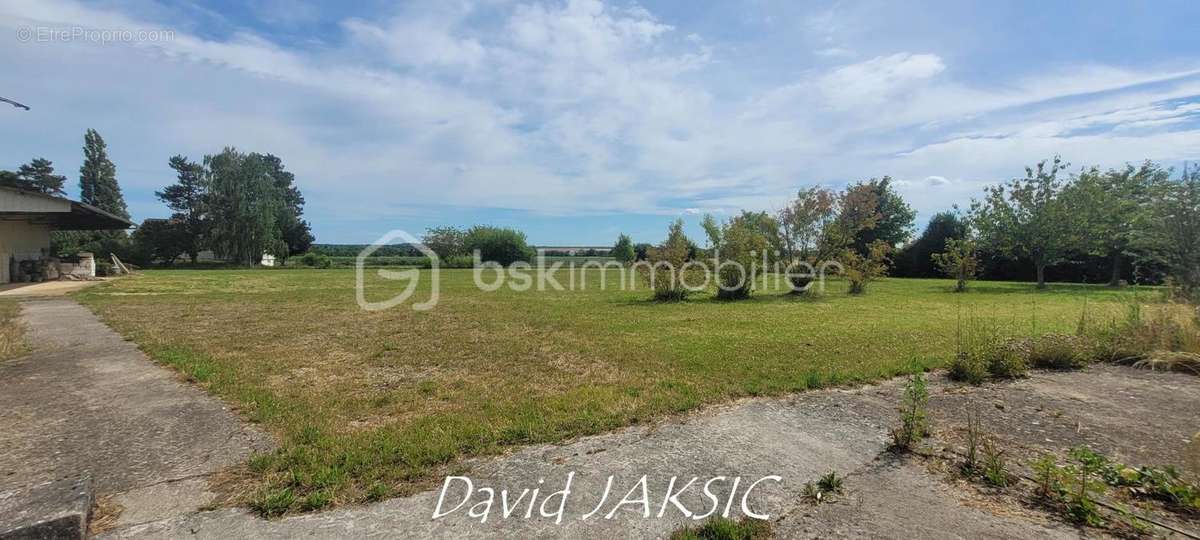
<point>186,198</point>
<point>98,177</point>
<point>38,175</point>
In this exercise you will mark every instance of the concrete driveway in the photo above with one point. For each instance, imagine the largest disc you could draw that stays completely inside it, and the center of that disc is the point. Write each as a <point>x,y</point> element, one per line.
<point>86,403</point>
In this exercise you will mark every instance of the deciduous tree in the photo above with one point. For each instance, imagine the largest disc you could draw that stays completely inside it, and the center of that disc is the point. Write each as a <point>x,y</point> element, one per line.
<point>1109,205</point>
<point>245,204</point>
<point>445,241</point>
<point>1028,217</point>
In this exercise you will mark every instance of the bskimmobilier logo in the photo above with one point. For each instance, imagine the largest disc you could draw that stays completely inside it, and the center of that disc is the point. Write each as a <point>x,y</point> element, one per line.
<point>412,275</point>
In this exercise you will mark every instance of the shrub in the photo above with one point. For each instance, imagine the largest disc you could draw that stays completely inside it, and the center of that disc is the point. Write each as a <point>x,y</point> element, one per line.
<point>664,265</point>
<point>316,260</point>
<point>498,245</point>
<point>623,250</point>
<point>104,268</point>
<point>1057,351</point>
<point>1167,337</point>
<point>958,261</point>
<point>968,367</point>
<point>987,354</point>
<point>970,464</point>
<point>914,416</point>
<point>861,270</point>
<point>1006,361</point>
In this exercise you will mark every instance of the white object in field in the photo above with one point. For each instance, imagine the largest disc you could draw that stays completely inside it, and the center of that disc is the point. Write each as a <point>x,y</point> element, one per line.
<point>85,268</point>
<point>118,265</point>
<point>268,259</point>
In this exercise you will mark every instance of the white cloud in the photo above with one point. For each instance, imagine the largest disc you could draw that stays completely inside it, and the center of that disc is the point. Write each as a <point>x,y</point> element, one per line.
<point>568,108</point>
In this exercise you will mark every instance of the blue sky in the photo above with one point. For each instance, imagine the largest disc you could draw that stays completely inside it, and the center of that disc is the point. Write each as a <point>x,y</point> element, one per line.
<point>577,120</point>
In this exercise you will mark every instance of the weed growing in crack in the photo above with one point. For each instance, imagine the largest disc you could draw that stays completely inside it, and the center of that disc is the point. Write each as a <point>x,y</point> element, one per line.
<point>831,483</point>
<point>819,492</point>
<point>1081,505</point>
<point>970,464</point>
<point>995,468</point>
<point>914,414</point>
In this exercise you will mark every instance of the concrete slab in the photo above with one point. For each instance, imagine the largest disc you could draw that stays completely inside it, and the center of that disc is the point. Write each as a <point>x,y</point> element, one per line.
<point>797,438</point>
<point>54,510</point>
<point>86,402</point>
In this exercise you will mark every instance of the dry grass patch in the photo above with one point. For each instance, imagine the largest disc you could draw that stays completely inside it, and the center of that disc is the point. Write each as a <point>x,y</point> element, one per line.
<point>12,334</point>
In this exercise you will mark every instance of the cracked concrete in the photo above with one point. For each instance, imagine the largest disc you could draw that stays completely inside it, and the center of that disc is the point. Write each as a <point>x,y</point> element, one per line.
<point>87,403</point>
<point>798,438</point>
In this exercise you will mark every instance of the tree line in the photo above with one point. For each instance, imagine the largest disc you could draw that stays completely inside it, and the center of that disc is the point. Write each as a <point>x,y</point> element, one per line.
<point>239,205</point>
<point>1133,223</point>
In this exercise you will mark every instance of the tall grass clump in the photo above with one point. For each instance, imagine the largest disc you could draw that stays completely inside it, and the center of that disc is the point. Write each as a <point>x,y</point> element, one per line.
<point>1164,336</point>
<point>722,528</point>
<point>12,341</point>
<point>982,352</point>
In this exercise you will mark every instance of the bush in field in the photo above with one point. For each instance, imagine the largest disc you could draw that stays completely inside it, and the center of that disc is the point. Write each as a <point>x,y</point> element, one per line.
<point>738,247</point>
<point>1001,359</point>
<point>623,250</point>
<point>1166,338</point>
<point>968,367</point>
<point>1006,361</point>
<point>496,244</point>
<point>445,241</point>
<point>664,265</point>
<point>861,270</point>
<point>316,260</point>
<point>958,261</point>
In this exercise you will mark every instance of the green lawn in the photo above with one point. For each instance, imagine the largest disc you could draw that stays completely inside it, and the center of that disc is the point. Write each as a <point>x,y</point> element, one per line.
<point>372,404</point>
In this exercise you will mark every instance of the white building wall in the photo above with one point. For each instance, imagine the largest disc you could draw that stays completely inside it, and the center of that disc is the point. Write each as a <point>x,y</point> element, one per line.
<point>17,201</point>
<point>21,240</point>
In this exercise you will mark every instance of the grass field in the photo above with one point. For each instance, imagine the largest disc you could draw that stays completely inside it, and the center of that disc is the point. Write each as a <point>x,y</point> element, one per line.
<point>12,342</point>
<point>373,404</point>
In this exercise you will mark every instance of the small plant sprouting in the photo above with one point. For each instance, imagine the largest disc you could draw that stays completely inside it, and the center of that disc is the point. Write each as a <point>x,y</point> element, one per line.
<point>812,493</point>
<point>819,492</point>
<point>995,469</point>
<point>1082,505</point>
<point>831,483</point>
<point>914,417</point>
<point>970,464</point>
<point>1049,477</point>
